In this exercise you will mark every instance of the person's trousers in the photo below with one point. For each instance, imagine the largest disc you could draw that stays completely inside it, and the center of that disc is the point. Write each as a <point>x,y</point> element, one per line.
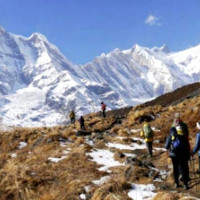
<point>82,126</point>
<point>180,165</point>
<point>104,113</point>
<point>149,147</point>
<point>72,120</point>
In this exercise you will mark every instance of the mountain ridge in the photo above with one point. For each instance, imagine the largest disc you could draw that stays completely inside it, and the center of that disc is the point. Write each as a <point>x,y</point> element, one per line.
<point>34,67</point>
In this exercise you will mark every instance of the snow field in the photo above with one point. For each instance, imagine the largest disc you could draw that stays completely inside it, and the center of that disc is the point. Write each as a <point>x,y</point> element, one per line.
<point>105,158</point>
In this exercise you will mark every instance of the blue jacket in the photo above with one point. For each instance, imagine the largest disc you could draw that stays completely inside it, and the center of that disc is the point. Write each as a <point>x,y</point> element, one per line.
<point>168,145</point>
<point>197,145</point>
<point>185,153</point>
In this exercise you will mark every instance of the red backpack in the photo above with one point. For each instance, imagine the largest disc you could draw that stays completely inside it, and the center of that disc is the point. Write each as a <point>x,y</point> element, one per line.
<point>103,107</point>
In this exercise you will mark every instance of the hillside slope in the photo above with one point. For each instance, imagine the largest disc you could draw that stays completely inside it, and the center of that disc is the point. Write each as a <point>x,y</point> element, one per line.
<point>176,96</point>
<point>111,163</point>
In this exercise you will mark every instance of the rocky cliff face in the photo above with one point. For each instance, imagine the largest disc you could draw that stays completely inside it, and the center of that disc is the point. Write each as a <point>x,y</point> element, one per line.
<point>39,86</point>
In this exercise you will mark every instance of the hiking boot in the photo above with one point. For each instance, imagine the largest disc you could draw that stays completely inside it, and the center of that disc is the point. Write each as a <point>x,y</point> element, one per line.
<point>186,187</point>
<point>181,179</point>
<point>176,185</point>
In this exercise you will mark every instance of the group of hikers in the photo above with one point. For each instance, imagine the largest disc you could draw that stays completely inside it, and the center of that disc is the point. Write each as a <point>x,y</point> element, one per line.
<point>82,120</point>
<point>178,147</point>
<point>177,144</point>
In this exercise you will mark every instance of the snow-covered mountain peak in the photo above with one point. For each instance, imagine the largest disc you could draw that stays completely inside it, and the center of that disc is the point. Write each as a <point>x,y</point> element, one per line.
<point>116,50</point>
<point>39,86</point>
<point>163,49</point>
<point>137,48</point>
<point>37,37</point>
<point>2,30</point>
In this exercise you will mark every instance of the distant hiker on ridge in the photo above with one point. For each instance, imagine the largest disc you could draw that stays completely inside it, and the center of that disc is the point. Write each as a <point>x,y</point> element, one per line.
<point>197,145</point>
<point>103,108</point>
<point>72,117</point>
<point>82,123</point>
<point>147,133</point>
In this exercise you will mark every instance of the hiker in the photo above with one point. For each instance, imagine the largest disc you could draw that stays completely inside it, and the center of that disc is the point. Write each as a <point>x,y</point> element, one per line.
<point>147,133</point>
<point>82,121</point>
<point>72,117</point>
<point>197,145</point>
<point>182,130</point>
<point>177,145</point>
<point>118,119</point>
<point>103,108</point>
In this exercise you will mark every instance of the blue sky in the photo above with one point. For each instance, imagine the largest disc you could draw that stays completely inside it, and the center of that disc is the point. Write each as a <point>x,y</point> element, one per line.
<point>83,29</point>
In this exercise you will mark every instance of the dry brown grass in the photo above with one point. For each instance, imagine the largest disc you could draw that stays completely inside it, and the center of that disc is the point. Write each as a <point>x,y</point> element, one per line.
<point>166,196</point>
<point>172,196</point>
<point>31,175</point>
<point>123,132</point>
<point>111,191</point>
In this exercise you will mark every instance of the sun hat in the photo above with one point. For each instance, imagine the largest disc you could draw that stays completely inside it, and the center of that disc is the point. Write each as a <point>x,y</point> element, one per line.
<point>177,115</point>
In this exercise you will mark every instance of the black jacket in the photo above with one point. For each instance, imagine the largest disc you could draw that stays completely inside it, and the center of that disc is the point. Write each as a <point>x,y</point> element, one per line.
<point>184,152</point>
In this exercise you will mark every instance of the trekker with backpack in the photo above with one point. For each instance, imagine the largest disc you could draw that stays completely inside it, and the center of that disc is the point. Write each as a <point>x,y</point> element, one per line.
<point>103,108</point>
<point>147,133</point>
<point>178,151</point>
<point>82,123</point>
<point>182,129</point>
<point>72,117</point>
<point>197,145</point>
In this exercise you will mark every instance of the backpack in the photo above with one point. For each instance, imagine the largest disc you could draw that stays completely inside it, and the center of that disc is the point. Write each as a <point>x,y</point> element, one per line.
<point>177,141</point>
<point>176,144</point>
<point>104,107</point>
<point>181,128</point>
<point>148,132</point>
<point>71,115</point>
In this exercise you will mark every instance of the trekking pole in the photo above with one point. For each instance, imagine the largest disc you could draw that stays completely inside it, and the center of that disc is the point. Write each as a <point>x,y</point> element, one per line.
<point>198,181</point>
<point>194,173</point>
<point>198,178</point>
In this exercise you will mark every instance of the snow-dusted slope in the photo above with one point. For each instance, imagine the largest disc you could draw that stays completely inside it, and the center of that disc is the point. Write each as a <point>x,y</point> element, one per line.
<point>137,73</point>
<point>39,86</point>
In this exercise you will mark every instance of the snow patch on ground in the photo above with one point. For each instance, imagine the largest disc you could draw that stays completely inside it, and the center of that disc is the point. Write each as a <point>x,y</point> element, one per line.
<point>133,146</point>
<point>52,159</point>
<point>13,155</point>
<point>130,155</point>
<point>82,196</point>
<point>162,174</point>
<point>134,131</point>
<point>159,149</point>
<point>102,180</point>
<point>105,158</point>
<point>141,192</point>
<point>154,129</point>
<point>22,145</point>
<point>66,151</point>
